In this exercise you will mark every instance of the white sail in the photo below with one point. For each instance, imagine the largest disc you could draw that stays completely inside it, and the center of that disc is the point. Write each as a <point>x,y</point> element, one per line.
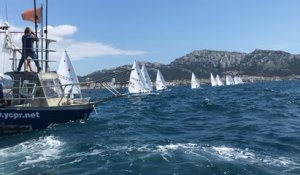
<point>8,46</point>
<point>229,80</point>
<point>219,81</point>
<point>67,75</point>
<point>148,83</point>
<point>160,82</point>
<point>6,80</point>
<point>195,83</point>
<point>136,80</point>
<point>212,80</point>
<point>238,80</point>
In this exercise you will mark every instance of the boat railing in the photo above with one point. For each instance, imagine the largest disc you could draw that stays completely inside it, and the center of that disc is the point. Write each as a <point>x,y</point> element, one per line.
<point>28,93</point>
<point>43,61</point>
<point>111,89</point>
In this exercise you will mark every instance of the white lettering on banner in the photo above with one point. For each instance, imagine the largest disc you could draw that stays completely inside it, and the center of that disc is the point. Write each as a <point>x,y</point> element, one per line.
<point>19,115</point>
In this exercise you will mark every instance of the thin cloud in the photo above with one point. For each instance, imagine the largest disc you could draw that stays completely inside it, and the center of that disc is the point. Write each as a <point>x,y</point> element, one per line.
<point>76,49</point>
<point>59,32</point>
<point>80,50</point>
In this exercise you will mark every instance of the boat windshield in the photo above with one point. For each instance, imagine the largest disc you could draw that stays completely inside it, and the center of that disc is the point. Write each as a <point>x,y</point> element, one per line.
<point>52,88</point>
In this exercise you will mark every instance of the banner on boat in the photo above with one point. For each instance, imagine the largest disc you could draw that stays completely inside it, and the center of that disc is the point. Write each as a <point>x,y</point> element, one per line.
<point>6,115</point>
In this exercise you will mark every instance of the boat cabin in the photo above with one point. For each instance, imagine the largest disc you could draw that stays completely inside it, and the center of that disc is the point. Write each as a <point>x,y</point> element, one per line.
<point>34,89</point>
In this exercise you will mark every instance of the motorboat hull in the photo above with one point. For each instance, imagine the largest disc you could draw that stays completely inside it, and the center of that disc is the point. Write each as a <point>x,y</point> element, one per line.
<point>23,119</point>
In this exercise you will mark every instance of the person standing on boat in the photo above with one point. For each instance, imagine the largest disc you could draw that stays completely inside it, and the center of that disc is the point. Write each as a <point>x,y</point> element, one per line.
<point>27,48</point>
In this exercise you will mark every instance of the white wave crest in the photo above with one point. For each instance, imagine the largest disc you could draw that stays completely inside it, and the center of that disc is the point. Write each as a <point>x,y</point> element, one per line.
<point>231,154</point>
<point>210,152</point>
<point>173,147</point>
<point>33,151</point>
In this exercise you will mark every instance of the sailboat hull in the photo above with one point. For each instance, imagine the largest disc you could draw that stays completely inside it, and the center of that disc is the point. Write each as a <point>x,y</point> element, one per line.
<point>23,119</point>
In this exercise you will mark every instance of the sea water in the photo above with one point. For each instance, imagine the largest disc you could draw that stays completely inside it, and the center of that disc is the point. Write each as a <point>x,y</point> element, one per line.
<point>242,129</point>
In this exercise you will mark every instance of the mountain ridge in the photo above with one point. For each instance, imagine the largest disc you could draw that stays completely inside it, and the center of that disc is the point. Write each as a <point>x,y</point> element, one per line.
<point>257,63</point>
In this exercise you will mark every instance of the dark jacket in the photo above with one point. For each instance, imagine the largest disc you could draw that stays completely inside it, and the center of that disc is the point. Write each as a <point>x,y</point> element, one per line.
<point>27,43</point>
<point>1,91</point>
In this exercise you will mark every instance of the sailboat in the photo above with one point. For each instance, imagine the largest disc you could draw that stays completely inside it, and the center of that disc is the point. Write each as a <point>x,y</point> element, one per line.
<point>160,82</point>
<point>219,81</point>
<point>229,80</point>
<point>67,75</point>
<point>148,83</point>
<point>137,83</point>
<point>212,80</point>
<point>238,80</point>
<point>195,83</point>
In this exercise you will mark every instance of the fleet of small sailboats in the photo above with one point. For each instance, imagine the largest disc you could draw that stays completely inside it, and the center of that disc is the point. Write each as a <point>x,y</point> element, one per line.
<point>228,80</point>
<point>216,81</point>
<point>140,81</point>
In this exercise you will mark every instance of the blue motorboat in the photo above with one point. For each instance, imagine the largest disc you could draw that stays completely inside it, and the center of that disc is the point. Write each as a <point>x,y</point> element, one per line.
<point>37,101</point>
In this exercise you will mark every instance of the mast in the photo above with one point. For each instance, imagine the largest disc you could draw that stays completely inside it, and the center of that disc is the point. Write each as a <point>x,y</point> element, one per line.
<point>42,36</point>
<point>35,22</point>
<point>47,42</point>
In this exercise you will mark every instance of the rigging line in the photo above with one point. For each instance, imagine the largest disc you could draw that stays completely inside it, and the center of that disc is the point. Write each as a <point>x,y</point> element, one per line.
<point>3,62</point>
<point>112,75</point>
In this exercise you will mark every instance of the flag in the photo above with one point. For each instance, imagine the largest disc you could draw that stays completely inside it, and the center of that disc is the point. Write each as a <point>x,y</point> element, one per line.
<point>28,15</point>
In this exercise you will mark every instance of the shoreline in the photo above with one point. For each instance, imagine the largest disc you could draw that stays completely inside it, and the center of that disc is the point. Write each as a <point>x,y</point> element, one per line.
<point>245,78</point>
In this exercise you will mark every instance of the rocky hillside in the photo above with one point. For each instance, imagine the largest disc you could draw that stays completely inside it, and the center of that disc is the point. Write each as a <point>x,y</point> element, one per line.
<point>202,62</point>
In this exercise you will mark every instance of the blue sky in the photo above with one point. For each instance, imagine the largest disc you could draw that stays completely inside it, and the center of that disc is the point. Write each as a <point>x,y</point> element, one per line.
<point>100,34</point>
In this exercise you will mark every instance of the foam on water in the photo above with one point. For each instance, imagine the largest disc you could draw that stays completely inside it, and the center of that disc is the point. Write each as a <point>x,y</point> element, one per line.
<point>236,154</point>
<point>33,151</point>
<point>208,152</point>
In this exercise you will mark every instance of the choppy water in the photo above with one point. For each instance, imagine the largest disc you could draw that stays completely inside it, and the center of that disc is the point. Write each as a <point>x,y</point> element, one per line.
<point>246,129</point>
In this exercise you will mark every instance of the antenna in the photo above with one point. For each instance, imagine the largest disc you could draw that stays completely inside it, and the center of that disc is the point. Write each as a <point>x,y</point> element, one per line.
<point>6,10</point>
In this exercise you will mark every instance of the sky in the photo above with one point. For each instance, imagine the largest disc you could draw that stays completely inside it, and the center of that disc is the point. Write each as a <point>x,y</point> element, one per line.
<point>102,34</point>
